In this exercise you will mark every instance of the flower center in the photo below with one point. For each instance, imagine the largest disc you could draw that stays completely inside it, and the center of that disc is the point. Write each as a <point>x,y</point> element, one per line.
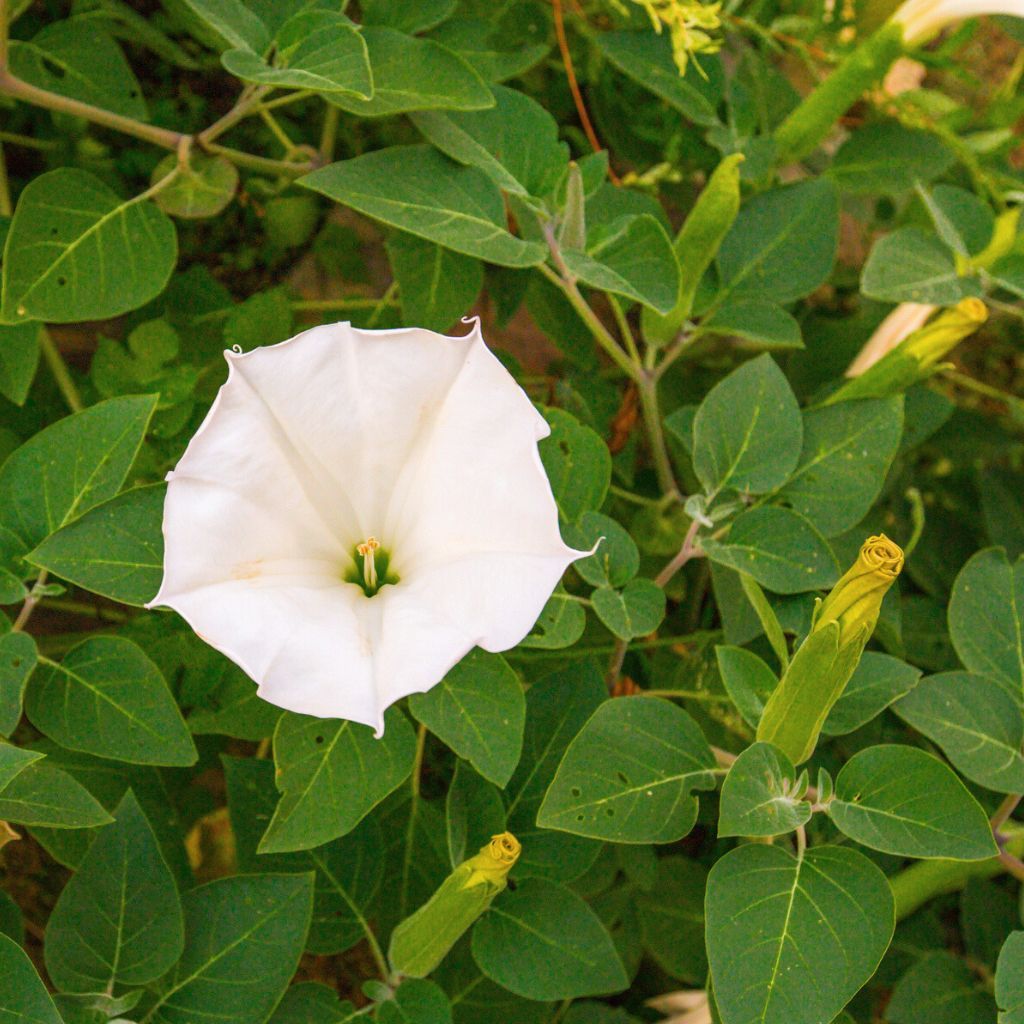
<point>370,567</point>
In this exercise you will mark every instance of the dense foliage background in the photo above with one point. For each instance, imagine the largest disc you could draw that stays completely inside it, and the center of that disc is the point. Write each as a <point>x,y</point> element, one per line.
<point>180,178</point>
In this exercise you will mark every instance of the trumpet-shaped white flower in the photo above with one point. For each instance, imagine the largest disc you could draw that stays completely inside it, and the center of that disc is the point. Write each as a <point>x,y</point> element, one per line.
<point>359,510</point>
<point>900,323</point>
<point>922,19</point>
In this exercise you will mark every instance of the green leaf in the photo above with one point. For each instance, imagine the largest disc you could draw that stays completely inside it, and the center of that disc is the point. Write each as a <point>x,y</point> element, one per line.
<point>885,157</point>
<point>577,463</point>
<point>118,920</point>
<point>747,432</point>
<point>760,796</point>
<point>557,707</point>
<point>411,18</point>
<point>411,73</point>
<point>902,800</point>
<point>233,707</point>
<point>1003,509</point>
<point>243,939</point>
<point>515,142</point>
<point>331,774</point>
<point>963,221</point>
<point>417,189</point>
<point>310,1002</point>
<point>478,710</point>
<point>672,918</point>
<point>77,251</point>
<point>748,680</point>
<point>203,187</point>
<point>646,57</point>
<point>940,989</point>
<point>636,610</point>
<point>978,725</point>
<point>560,624</point>
<point>474,812</point>
<point>783,243</point>
<point>500,45</point>
<point>17,660</point>
<point>877,681</point>
<point>436,285</point>
<point>22,994</point>
<point>543,942</point>
<point>765,613</point>
<point>986,618</point>
<point>616,560</point>
<point>632,257</point>
<point>232,22</point>
<point>19,358</point>
<point>76,58</point>
<point>416,1001</point>
<point>70,467</point>
<point>847,450</point>
<point>791,941</point>
<point>911,265</point>
<point>764,323</point>
<point>107,698</point>
<point>347,872</point>
<point>315,49</point>
<point>629,774</point>
<point>116,549</point>
<point>44,795</point>
<point>779,548</point>
<point>13,761</point>
<point>1010,980</point>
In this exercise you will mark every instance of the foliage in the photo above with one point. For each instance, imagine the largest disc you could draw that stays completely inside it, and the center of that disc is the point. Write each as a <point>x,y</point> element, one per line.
<point>183,178</point>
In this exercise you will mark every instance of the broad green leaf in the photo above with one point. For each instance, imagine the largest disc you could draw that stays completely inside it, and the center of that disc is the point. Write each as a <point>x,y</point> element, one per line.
<point>779,548</point>
<point>543,942</point>
<point>636,610</point>
<point>416,1001</point>
<point>515,142</point>
<point>557,707</point>
<point>748,680</point>
<point>436,285</point>
<point>310,1002</point>
<point>203,187</point>
<point>77,251</point>
<point>12,923</point>
<point>632,257</point>
<point>901,800</point>
<point>1002,506</point>
<point>760,796</point>
<point>577,463</point>
<point>747,432</point>
<point>1010,980</point>
<point>41,794</point>
<point>560,624</point>
<point>411,18</point>
<point>13,761</point>
<point>783,243</point>
<point>767,616</point>
<point>234,708</point>
<point>116,549</point>
<point>23,997</point>
<point>474,812</point>
<point>940,989</point>
<point>118,921</point>
<point>232,22</point>
<point>347,872</point>
<point>672,918</point>
<point>331,773</point>
<point>411,73</point>
<point>911,265</point>
<point>847,450</point>
<point>616,560</point>
<point>107,698</point>
<point>319,50</point>
<point>498,45</point>
<point>17,660</point>
<point>646,57</point>
<point>885,157</point>
<point>478,710</point>
<point>417,189</point>
<point>791,941</point>
<point>76,58</point>
<point>963,221</point>
<point>988,915</point>
<point>764,323</point>
<point>986,618</point>
<point>70,467</point>
<point>877,681</point>
<point>243,939</point>
<point>19,358</point>
<point>978,725</point>
<point>629,774</point>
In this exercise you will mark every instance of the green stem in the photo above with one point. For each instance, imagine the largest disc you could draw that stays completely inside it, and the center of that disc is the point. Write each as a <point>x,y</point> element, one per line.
<point>260,163</point>
<point>6,208</point>
<point>915,886</point>
<point>247,103</point>
<point>329,133</point>
<point>59,369</point>
<point>647,385</point>
<point>339,305</point>
<point>26,140</point>
<point>417,764</point>
<point>624,329</point>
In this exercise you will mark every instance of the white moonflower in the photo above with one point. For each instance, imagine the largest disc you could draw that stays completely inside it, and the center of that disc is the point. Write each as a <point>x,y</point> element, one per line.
<point>922,19</point>
<point>358,511</point>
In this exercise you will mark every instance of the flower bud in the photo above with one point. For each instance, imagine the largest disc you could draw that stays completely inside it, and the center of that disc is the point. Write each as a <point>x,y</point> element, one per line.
<point>423,940</point>
<point>825,661</point>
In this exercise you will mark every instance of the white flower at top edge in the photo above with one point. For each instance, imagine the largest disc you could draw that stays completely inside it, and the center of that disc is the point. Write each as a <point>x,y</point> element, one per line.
<point>922,19</point>
<point>358,510</point>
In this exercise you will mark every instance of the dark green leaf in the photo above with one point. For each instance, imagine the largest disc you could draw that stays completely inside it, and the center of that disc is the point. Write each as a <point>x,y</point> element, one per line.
<point>233,23</point>
<point>560,624</point>
<point>474,812</point>
<point>411,18</point>
<point>616,560</point>
<point>499,46</point>
<point>416,1001</point>
<point>23,996</point>
<point>672,918</point>
<point>204,186</point>
<point>17,660</point>
<point>13,761</point>
<point>911,265</point>
<point>19,357</point>
<point>762,322</point>
<point>1010,980</point>
<point>885,157</point>
<point>43,795</point>
<point>310,1002</point>
<point>748,680</point>
<point>636,610</point>
<point>877,681</point>
<point>577,463</point>
<point>760,796</point>
<point>940,989</point>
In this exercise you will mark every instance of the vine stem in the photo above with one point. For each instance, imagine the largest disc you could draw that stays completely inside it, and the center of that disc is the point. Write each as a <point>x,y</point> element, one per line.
<point>1004,810</point>
<point>59,369</point>
<point>683,555</point>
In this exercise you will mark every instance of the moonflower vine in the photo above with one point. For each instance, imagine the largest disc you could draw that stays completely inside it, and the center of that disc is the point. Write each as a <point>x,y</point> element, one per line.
<point>358,510</point>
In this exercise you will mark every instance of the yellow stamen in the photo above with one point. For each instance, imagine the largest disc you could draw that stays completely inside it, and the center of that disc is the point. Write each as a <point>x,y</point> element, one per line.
<point>366,549</point>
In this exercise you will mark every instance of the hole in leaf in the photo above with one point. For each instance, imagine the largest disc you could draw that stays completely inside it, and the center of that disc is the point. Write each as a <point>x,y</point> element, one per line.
<point>319,739</point>
<point>610,811</point>
<point>576,791</point>
<point>579,817</point>
<point>62,281</point>
<point>622,778</point>
<point>16,663</point>
<point>53,67</point>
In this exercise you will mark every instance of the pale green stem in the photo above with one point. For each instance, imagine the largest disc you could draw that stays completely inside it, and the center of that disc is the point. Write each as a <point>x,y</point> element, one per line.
<point>59,369</point>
